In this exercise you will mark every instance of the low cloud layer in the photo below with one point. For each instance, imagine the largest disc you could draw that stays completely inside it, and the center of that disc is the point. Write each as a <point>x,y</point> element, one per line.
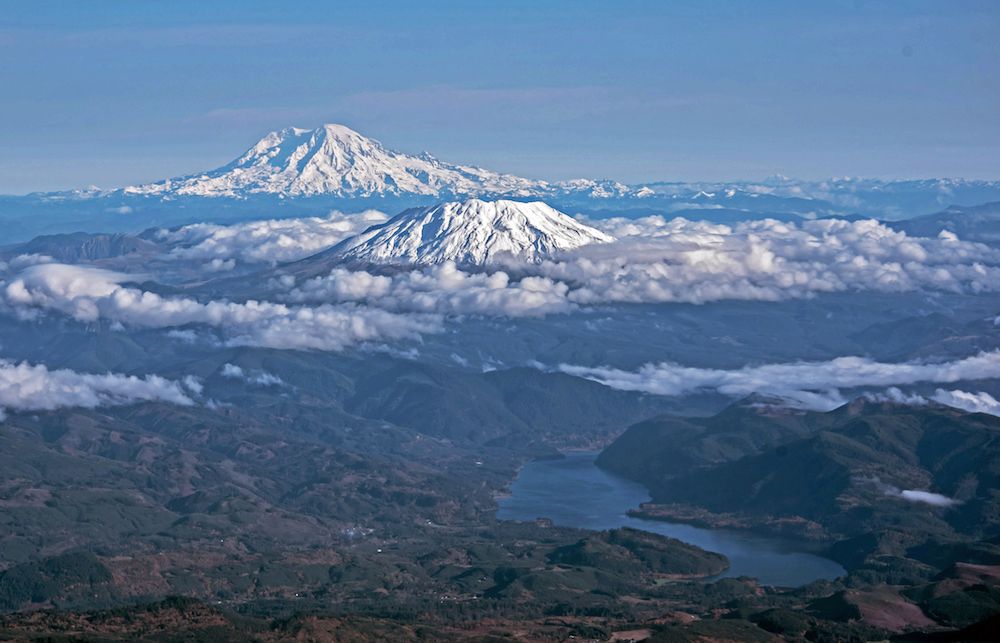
<point>660,261</point>
<point>809,385</point>
<point>978,402</point>
<point>260,378</point>
<point>270,242</point>
<point>973,402</point>
<point>443,289</point>
<point>655,260</point>
<point>90,294</point>
<point>33,387</point>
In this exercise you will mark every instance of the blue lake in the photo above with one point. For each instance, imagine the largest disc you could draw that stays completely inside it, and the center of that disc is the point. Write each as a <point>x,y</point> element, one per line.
<point>574,492</point>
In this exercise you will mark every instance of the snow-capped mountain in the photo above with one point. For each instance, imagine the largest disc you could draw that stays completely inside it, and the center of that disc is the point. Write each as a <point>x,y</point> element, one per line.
<point>338,161</point>
<point>470,232</point>
<point>334,160</point>
<point>298,172</point>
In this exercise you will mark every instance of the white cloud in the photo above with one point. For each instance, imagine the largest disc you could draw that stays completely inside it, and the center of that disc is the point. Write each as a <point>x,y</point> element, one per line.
<point>927,498</point>
<point>232,370</point>
<point>270,241</point>
<point>980,402</point>
<point>918,496</point>
<point>657,260</point>
<point>33,387</point>
<point>23,261</point>
<point>973,402</point>
<point>219,265</point>
<point>441,289</point>
<point>896,396</point>
<point>812,385</point>
<point>193,384</point>
<point>260,378</point>
<point>267,379</point>
<point>89,294</point>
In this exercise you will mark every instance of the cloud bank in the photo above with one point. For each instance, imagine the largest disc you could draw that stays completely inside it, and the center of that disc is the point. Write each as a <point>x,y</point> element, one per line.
<point>655,260</point>
<point>270,241</point>
<point>33,387</point>
<point>443,289</point>
<point>91,294</point>
<point>973,402</point>
<point>979,402</point>
<point>809,385</point>
<point>661,261</point>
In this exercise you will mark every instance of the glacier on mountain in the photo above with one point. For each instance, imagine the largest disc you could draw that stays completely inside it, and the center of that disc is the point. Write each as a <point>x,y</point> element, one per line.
<point>470,232</point>
<point>335,160</point>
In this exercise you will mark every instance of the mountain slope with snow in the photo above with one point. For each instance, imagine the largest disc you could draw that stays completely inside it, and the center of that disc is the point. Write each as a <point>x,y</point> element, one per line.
<point>470,232</point>
<point>336,160</point>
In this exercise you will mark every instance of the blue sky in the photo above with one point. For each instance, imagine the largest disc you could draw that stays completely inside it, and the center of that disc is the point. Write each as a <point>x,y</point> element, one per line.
<point>112,93</point>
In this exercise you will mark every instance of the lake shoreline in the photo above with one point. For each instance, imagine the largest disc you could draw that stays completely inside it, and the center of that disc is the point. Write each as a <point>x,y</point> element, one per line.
<point>791,531</point>
<point>573,491</point>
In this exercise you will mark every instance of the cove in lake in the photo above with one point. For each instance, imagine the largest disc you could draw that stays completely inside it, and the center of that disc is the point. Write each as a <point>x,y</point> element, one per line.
<point>574,492</point>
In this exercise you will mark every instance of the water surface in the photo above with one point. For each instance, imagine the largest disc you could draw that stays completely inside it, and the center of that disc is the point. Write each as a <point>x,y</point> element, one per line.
<point>574,492</point>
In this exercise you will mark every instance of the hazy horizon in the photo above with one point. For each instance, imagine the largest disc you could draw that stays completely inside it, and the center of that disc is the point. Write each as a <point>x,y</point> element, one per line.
<point>120,94</point>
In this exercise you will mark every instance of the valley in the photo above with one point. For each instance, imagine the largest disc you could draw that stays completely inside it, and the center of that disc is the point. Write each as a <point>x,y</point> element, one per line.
<point>473,406</point>
<point>315,444</point>
<point>661,322</point>
<point>275,521</point>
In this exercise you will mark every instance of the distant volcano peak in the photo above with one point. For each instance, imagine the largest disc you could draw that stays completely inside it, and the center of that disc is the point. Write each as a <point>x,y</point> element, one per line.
<point>336,160</point>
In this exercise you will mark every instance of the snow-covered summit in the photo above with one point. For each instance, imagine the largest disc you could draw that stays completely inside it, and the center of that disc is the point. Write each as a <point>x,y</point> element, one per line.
<point>470,232</point>
<point>336,160</point>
